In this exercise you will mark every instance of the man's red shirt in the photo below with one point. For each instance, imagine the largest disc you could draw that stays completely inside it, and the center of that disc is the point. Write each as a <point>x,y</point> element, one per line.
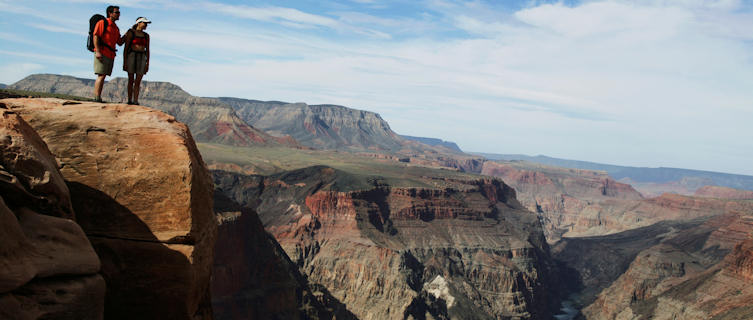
<point>111,38</point>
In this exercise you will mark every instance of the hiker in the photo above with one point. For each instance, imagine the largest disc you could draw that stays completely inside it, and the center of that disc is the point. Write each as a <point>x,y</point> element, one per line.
<point>136,57</point>
<point>105,36</point>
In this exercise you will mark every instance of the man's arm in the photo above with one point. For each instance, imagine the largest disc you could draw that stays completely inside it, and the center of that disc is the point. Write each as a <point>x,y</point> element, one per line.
<point>95,37</point>
<point>121,40</point>
<point>125,38</point>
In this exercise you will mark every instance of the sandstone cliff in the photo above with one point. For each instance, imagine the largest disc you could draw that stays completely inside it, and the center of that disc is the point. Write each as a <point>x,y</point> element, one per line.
<point>142,194</point>
<point>48,268</point>
<point>467,252</point>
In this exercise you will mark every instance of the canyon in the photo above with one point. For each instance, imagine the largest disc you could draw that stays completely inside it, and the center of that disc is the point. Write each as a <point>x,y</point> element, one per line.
<point>469,251</point>
<point>330,214</point>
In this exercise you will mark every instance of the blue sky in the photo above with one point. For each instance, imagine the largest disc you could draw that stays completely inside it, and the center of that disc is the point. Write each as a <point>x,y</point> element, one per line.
<point>639,83</point>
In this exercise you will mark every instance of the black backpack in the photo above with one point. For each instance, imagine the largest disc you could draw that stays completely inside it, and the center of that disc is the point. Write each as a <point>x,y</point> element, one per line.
<point>93,23</point>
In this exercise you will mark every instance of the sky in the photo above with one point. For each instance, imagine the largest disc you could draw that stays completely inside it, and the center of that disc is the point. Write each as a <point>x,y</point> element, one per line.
<point>635,83</point>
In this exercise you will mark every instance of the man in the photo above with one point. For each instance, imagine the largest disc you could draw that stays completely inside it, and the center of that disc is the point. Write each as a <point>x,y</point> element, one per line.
<point>104,48</point>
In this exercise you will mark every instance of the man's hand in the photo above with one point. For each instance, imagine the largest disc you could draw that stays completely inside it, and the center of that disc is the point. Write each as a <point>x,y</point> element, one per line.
<point>98,55</point>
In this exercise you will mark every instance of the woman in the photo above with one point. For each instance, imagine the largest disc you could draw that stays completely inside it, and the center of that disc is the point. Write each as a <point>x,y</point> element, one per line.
<point>136,57</point>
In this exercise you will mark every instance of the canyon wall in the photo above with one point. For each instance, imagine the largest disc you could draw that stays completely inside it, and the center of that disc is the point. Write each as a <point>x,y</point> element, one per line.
<point>466,252</point>
<point>703,272</point>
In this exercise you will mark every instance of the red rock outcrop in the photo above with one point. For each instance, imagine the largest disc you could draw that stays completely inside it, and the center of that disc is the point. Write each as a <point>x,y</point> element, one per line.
<point>387,252</point>
<point>48,268</point>
<point>724,193</point>
<point>142,194</point>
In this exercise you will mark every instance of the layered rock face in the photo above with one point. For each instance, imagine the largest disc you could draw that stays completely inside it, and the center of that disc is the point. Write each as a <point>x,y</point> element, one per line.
<point>48,268</point>
<point>724,193</point>
<point>142,195</point>
<point>565,198</point>
<point>253,278</point>
<point>319,126</point>
<point>209,119</point>
<point>469,252</point>
<point>702,272</point>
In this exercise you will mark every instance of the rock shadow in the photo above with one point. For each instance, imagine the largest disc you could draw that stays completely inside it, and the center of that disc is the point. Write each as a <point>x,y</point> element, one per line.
<point>145,278</point>
<point>254,278</point>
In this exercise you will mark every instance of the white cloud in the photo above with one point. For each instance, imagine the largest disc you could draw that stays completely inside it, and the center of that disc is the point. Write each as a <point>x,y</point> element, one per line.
<point>292,17</point>
<point>58,29</point>
<point>586,81</point>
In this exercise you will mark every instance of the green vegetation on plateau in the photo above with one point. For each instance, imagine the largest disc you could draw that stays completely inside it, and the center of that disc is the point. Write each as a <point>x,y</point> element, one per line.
<point>362,171</point>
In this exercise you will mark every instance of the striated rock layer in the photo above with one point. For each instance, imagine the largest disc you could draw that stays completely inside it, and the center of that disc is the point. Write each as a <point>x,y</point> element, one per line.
<point>569,201</point>
<point>253,278</point>
<point>724,193</point>
<point>703,272</point>
<point>48,268</point>
<point>468,252</point>
<point>142,194</point>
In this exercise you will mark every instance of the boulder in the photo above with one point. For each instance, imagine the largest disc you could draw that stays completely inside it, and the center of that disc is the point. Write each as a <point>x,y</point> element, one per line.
<point>142,194</point>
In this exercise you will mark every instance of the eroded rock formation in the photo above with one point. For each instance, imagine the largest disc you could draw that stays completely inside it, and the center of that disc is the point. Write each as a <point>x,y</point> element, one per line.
<point>569,201</point>
<point>142,195</point>
<point>48,268</point>
<point>471,251</point>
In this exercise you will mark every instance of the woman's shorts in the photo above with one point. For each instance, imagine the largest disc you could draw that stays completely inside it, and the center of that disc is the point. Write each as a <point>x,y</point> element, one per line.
<point>103,66</point>
<point>136,62</point>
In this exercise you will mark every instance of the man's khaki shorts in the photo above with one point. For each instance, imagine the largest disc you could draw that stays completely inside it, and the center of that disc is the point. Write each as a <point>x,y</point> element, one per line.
<point>104,66</point>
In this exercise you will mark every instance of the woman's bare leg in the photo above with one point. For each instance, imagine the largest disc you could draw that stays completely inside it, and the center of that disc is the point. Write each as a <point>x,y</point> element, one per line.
<point>130,87</point>
<point>137,88</point>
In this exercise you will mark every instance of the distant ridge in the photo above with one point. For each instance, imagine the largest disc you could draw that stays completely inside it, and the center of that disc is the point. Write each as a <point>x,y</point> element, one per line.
<point>435,142</point>
<point>693,178</point>
<point>2,86</point>
<point>329,127</point>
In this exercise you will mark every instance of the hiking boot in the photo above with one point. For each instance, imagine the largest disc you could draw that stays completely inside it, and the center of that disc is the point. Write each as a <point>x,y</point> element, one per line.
<point>98,99</point>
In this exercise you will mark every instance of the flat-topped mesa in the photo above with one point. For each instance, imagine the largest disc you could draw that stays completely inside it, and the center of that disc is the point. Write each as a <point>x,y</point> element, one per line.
<point>142,194</point>
<point>379,249</point>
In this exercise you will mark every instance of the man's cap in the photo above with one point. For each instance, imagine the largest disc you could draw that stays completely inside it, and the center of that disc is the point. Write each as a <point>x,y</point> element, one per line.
<point>142,19</point>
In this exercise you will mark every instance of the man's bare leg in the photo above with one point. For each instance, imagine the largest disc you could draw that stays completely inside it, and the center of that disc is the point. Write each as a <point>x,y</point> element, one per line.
<point>98,85</point>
